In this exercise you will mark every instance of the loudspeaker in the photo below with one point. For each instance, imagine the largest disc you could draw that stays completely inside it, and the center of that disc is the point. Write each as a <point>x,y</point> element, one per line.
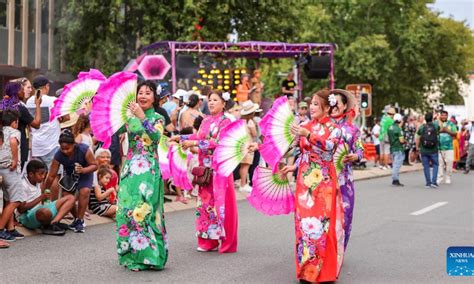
<point>317,67</point>
<point>185,66</point>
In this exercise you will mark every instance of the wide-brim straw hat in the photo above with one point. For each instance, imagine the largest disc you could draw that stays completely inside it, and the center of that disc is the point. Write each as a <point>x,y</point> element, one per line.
<point>73,117</point>
<point>249,107</point>
<point>351,100</point>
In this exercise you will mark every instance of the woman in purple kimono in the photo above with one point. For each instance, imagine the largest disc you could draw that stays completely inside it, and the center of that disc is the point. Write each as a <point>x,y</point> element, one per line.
<point>349,150</point>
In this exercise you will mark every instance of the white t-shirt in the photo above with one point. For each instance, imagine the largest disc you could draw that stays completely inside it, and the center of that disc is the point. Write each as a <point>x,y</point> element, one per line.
<point>31,192</point>
<point>376,131</point>
<point>471,132</point>
<point>45,139</point>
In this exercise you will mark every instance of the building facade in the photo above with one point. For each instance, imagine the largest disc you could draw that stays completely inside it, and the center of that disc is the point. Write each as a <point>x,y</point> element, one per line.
<point>29,42</point>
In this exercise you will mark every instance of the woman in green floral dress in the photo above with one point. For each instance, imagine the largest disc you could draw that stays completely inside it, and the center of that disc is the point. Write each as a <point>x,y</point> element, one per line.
<point>141,235</point>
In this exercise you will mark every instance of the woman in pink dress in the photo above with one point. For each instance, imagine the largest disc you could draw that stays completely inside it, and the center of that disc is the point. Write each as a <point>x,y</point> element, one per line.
<point>216,205</point>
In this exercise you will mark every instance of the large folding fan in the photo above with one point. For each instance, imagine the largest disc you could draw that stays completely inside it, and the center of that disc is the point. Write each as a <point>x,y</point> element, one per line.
<point>164,162</point>
<point>77,93</point>
<point>271,194</point>
<point>111,106</point>
<point>232,148</point>
<point>276,128</point>
<point>179,159</point>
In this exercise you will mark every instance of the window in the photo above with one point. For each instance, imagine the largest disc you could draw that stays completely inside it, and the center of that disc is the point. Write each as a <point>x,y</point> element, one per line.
<point>3,13</point>
<point>18,15</point>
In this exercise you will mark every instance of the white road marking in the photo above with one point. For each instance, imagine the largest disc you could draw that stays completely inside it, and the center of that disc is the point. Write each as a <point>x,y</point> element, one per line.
<point>429,208</point>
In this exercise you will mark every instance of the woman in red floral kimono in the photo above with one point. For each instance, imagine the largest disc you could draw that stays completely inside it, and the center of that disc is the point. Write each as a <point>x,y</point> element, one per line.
<point>319,212</point>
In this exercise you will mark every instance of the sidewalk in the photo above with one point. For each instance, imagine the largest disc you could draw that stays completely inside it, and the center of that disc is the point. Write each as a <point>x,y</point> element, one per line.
<point>368,173</point>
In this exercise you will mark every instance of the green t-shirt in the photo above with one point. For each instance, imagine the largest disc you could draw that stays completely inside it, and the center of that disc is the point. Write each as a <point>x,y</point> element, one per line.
<point>446,140</point>
<point>394,133</point>
<point>424,150</point>
<point>385,123</point>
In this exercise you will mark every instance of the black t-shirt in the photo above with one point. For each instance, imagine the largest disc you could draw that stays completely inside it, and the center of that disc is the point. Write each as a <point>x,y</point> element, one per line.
<point>25,119</point>
<point>288,85</point>
<point>165,115</point>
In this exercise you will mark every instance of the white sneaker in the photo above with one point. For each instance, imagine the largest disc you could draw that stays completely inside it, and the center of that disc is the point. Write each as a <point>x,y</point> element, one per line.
<point>448,180</point>
<point>246,188</point>
<point>439,181</point>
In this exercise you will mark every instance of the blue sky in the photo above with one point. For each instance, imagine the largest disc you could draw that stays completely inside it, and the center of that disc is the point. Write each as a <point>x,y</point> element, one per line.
<point>457,9</point>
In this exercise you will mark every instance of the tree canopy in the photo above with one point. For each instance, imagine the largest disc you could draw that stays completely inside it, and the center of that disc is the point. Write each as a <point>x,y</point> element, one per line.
<point>401,47</point>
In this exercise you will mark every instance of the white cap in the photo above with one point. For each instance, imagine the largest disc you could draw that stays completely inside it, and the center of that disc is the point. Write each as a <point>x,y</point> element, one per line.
<point>398,117</point>
<point>180,93</point>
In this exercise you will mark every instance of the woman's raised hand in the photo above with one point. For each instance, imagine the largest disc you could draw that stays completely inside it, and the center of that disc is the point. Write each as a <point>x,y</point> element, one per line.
<point>137,111</point>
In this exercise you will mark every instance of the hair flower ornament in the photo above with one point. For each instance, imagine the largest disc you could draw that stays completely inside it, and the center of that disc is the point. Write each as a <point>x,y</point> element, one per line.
<point>332,100</point>
<point>226,96</point>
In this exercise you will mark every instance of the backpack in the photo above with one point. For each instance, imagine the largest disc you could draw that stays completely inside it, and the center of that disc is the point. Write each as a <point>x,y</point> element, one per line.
<point>429,137</point>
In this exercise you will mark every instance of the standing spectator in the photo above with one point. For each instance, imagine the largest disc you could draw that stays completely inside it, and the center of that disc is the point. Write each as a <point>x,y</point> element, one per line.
<point>82,131</point>
<point>470,151</point>
<point>158,106</point>
<point>385,123</point>
<point>15,94</point>
<point>79,163</point>
<point>247,114</point>
<point>256,95</point>
<point>205,91</point>
<point>44,140</point>
<point>447,130</point>
<point>409,131</point>
<point>47,215</point>
<point>302,115</point>
<point>427,145</point>
<point>396,140</point>
<point>232,110</point>
<point>288,85</point>
<point>10,171</point>
<point>243,89</point>
<point>375,138</point>
<point>193,111</point>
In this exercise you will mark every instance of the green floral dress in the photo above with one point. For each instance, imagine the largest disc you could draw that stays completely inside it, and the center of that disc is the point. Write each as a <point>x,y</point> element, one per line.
<point>141,235</point>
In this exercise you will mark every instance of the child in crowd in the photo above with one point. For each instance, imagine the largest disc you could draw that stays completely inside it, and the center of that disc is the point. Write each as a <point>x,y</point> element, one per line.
<point>82,131</point>
<point>10,171</point>
<point>98,202</point>
<point>47,215</point>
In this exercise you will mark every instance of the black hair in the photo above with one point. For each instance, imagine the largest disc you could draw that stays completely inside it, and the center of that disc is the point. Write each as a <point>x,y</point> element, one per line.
<point>343,99</point>
<point>193,100</point>
<point>66,137</point>
<point>220,93</point>
<point>9,116</point>
<point>197,122</point>
<point>186,131</point>
<point>152,85</point>
<point>229,105</point>
<point>429,117</point>
<point>35,166</point>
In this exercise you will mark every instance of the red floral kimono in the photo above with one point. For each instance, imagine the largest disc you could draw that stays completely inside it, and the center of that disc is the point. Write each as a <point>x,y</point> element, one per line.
<point>319,211</point>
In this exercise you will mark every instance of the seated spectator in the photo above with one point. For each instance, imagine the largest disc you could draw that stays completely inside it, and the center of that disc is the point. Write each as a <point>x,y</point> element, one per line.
<point>79,165</point>
<point>103,158</point>
<point>98,202</point>
<point>10,171</point>
<point>37,211</point>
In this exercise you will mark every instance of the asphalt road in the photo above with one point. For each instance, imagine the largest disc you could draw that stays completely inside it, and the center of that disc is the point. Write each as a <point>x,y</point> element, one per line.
<point>388,244</point>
